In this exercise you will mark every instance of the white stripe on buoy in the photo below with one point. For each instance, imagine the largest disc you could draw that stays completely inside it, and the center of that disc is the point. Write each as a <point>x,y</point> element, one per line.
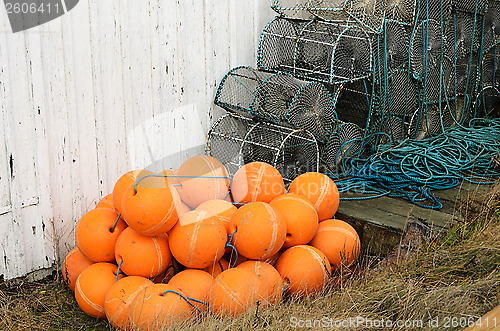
<point>274,234</point>
<point>160,256</point>
<point>194,236</point>
<point>100,309</point>
<point>256,187</point>
<point>325,187</point>
<point>317,257</point>
<point>336,228</point>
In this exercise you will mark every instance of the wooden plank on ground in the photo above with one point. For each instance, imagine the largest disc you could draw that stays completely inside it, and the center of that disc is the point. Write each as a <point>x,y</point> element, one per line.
<point>490,321</point>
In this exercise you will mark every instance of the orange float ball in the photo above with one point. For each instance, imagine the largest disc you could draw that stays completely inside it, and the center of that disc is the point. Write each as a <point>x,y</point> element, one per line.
<point>194,284</point>
<point>74,263</point>
<point>305,268</point>
<point>223,209</point>
<point>234,292</point>
<point>95,236</point>
<point>270,289</point>
<point>140,255</point>
<point>153,309</point>
<point>320,190</point>
<point>260,230</point>
<point>202,178</point>
<point>181,208</point>
<point>300,216</point>
<point>92,286</point>
<point>106,202</point>
<point>150,206</point>
<point>197,241</point>
<point>273,259</point>
<point>119,298</point>
<point>123,183</point>
<point>215,269</point>
<point>338,241</point>
<point>171,177</point>
<point>257,181</point>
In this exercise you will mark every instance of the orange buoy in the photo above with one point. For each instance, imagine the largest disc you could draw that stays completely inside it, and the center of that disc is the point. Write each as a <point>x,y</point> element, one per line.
<point>197,241</point>
<point>181,208</point>
<point>119,298</point>
<point>96,234</point>
<point>270,288</point>
<point>234,292</point>
<point>202,178</point>
<point>195,284</point>
<point>257,181</point>
<point>74,263</point>
<point>171,177</point>
<point>320,190</point>
<point>273,259</point>
<point>260,230</point>
<point>150,206</point>
<point>153,309</point>
<point>215,269</point>
<point>338,241</point>
<point>140,255</point>
<point>92,286</point>
<point>305,269</point>
<point>123,183</point>
<point>231,256</point>
<point>300,216</point>
<point>223,209</point>
<point>106,202</point>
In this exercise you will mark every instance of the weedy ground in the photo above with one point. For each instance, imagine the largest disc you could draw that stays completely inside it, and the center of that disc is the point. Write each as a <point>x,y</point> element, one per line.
<point>452,280</point>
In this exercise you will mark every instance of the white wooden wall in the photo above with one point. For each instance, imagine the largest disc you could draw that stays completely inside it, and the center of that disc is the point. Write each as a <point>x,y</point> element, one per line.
<point>108,87</point>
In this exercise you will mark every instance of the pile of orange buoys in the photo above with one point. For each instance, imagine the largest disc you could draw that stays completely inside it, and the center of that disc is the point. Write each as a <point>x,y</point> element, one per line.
<point>168,247</point>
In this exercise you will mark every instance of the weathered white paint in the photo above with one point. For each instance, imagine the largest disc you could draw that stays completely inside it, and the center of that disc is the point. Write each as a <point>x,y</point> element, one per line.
<point>108,87</point>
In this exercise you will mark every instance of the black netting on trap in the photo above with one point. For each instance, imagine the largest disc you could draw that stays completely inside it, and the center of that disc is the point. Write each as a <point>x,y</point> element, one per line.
<point>325,52</point>
<point>330,10</point>
<point>487,103</point>
<point>397,94</point>
<point>438,10</point>
<point>235,140</point>
<point>391,129</point>
<point>431,119</point>
<point>432,87</point>
<point>347,142</point>
<point>368,13</point>
<point>279,98</point>
<point>464,75</point>
<point>401,11</point>
<point>470,6</point>
<point>491,67</point>
<point>427,46</point>
<point>491,32</point>
<point>391,47</point>
<point>353,102</point>
<point>463,33</point>
<point>292,8</point>
<point>461,109</point>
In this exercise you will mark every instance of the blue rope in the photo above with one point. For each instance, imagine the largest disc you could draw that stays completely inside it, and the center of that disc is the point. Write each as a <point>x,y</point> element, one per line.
<point>187,299</point>
<point>116,223</point>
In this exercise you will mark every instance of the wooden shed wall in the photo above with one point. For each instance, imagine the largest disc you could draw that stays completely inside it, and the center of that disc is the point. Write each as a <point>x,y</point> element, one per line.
<point>108,87</point>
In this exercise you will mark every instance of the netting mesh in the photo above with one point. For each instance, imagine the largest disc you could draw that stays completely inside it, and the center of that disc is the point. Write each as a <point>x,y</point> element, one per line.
<point>470,6</point>
<point>491,32</point>
<point>326,52</point>
<point>438,10</point>
<point>401,11</point>
<point>279,98</point>
<point>491,67</point>
<point>368,13</point>
<point>292,8</point>
<point>345,143</point>
<point>433,84</point>
<point>391,51</point>
<point>487,102</point>
<point>393,128</point>
<point>463,33</point>
<point>330,10</point>
<point>235,140</point>
<point>463,79</point>
<point>353,102</point>
<point>398,94</point>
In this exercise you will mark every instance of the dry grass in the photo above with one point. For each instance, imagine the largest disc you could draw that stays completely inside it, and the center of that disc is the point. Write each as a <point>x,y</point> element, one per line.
<point>456,276</point>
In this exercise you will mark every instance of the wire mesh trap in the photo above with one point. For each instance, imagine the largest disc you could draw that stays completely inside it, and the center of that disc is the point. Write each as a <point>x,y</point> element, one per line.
<point>346,142</point>
<point>491,31</point>
<point>463,32</point>
<point>464,76</point>
<point>490,72</point>
<point>353,102</point>
<point>292,8</point>
<point>397,94</point>
<point>330,10</point>
<point>368,13</point>
<point>391,129</point>
<point>438,10</point>
<point>391,50</point>
<point>325,52</point>
<point>278,98</point>
<point>235,140</point>
<point>488,102</point>
<point>400,11</point>
<point>431,120</point>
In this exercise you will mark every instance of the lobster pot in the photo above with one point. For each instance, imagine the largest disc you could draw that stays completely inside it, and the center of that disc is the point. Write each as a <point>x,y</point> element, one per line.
<point>325,52</point>
<point>345,143</point>
<point>491,68</point>
<point>353,102</point>
<point>279,98</point>
<point>401,11</point>
<point>298,9</point>
<point>330,10</point>
<point>464,34</point>
<point>370,14</point>
<point>437,10</point>
<point>432,119</point>
<point>427,46</point>
<point>235,140</point>
<point>491,32</point>
<point>391,51</point>
<point>392,128</point>
<point>470,6</point>
<point>464,76</point>
<point>398,94</point>
<point>432,88</point>
<point>487,102</point>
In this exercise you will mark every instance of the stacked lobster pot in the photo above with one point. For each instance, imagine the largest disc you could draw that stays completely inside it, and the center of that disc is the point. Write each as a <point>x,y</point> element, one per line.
<point>350,75</point>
